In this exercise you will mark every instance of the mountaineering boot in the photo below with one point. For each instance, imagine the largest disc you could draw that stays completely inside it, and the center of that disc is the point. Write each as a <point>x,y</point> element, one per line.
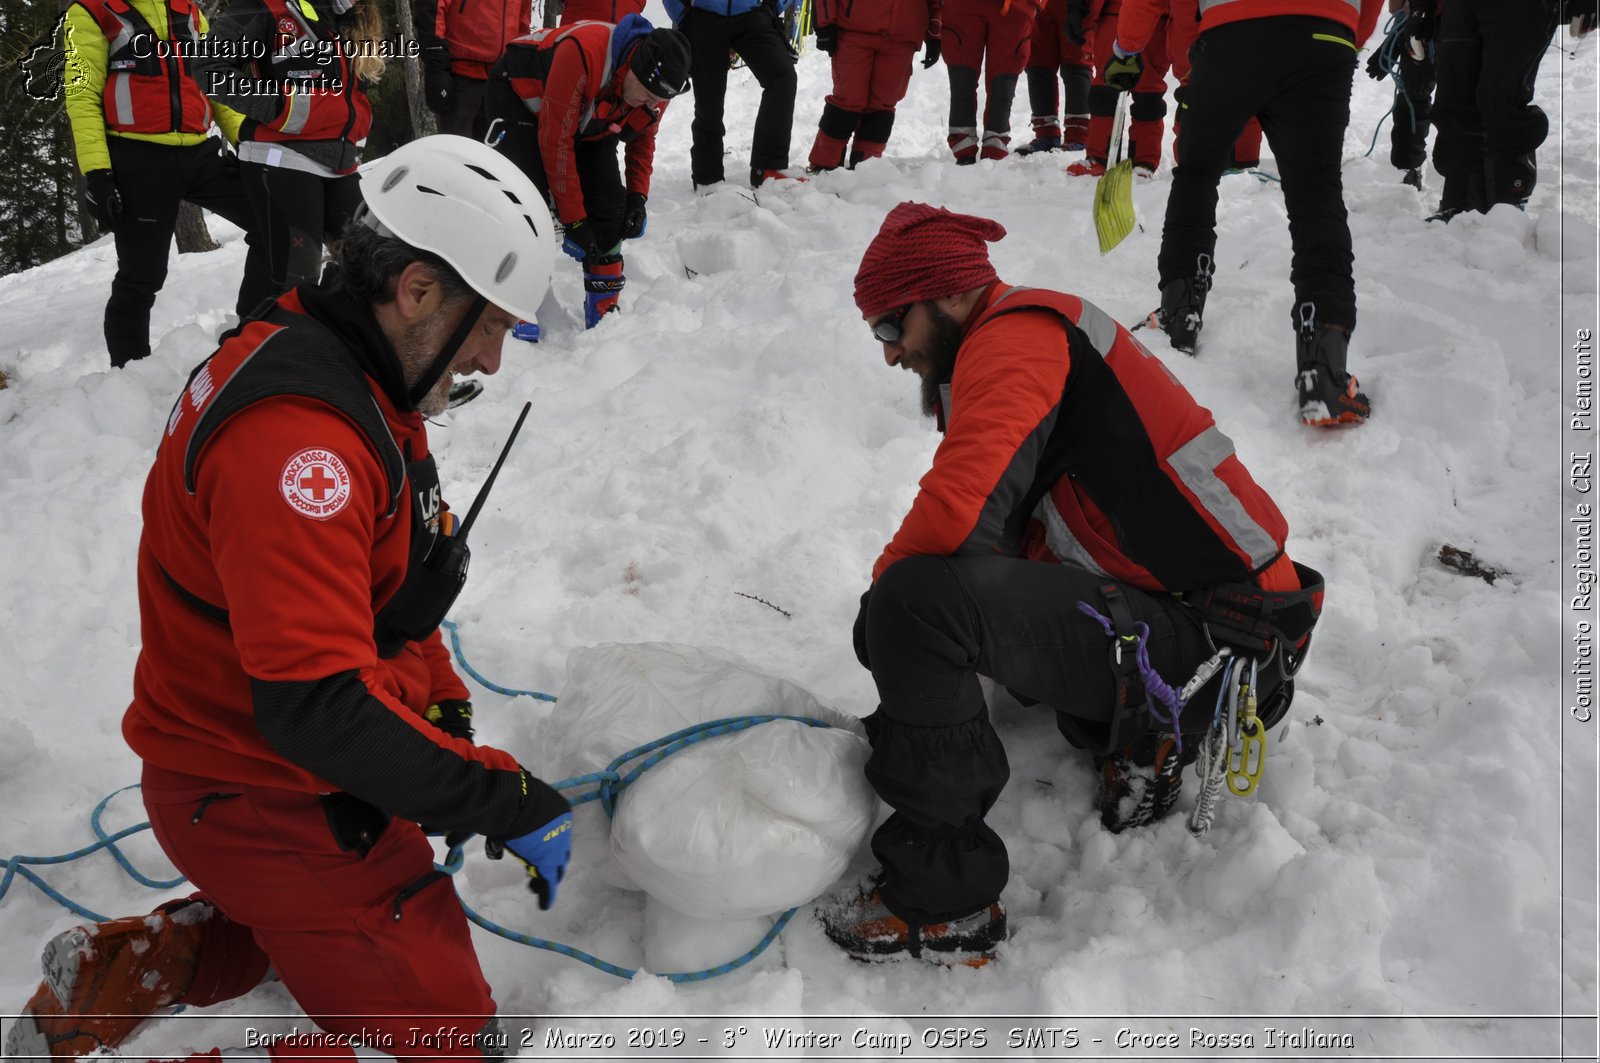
<point>602,286</point>
<point>759,177</point>
<point>1087,167</point>
<point>101,981</point>
<point>1329,396</point>
<point>1413,178</point>
<point>1046,133</point>
<point>866,930</point>
<point>1074,132</point>
<point>1183,302</point>
<point>995,145</point>
<point>526,331</point>
<point>1139,784</point>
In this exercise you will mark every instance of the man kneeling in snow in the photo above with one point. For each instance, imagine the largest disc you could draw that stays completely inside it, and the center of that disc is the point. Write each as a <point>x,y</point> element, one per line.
<point>293,705</point>
<point>1080,499</point>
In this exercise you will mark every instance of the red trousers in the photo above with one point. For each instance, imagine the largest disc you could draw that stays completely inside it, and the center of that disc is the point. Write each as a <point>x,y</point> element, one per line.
<point>870,76</point>
<point>991,35</point>
<point>1147,110</point>
<point>353,937</point>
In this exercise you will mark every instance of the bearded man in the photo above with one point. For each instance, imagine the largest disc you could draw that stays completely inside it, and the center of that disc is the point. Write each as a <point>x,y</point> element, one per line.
<point>1082,515</point>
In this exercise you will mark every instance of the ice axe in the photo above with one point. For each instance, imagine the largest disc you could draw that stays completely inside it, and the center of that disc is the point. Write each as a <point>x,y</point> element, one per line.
<point>1113,192</point>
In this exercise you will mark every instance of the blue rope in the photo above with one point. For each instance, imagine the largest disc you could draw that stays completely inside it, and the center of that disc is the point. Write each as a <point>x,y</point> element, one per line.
<point>19,865</point>
<point>608,786</point>
<point>1389,51</point>
<point>1154,685</point>
<point>461,659</point>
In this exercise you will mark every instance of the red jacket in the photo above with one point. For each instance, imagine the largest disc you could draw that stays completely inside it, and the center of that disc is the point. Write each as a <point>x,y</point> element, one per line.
<point>568,76</point>
<point>1137,22</point>
<point>612,11</point>
<point>475,32</point>
<point>147,91</point>
<point>1066,440</point>
<point>902,21</point>
<point>285,518</point>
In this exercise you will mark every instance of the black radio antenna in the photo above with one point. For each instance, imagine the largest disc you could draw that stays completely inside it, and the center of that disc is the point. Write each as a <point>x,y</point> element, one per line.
<point>483,492</point>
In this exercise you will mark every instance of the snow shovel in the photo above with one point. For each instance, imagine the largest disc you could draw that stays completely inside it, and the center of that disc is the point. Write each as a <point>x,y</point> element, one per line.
<point>1113,192</point>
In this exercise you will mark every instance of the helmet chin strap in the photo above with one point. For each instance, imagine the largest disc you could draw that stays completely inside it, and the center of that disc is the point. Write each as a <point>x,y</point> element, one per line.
<point>447,354</point>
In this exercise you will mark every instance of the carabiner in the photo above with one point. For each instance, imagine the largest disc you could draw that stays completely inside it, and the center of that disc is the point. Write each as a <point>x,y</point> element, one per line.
<point>1244,770</point>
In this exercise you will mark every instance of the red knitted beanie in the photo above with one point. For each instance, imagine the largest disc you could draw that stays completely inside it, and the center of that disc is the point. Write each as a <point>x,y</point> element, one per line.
<point>924,252</point>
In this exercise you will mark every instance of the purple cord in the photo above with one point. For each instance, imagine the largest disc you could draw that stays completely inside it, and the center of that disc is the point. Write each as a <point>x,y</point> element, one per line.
<point>1153,683</point>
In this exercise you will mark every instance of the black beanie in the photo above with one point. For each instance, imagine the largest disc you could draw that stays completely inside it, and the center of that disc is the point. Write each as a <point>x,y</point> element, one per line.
<point>661,62</point>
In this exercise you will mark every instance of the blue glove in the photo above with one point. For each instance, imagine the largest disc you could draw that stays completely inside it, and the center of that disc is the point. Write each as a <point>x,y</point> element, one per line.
<point>577,240</point>
<point>1122,73</point>
<point>546,850</point>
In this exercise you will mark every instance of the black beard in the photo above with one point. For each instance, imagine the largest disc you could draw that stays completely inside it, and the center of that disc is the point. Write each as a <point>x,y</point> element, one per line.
<point>941,353</point>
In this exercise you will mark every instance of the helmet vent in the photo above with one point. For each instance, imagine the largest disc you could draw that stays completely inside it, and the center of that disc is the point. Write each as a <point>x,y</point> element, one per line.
<point>512,196</point>
<point>395,178</point>
<point>431,191</point>
<point>507,264</point>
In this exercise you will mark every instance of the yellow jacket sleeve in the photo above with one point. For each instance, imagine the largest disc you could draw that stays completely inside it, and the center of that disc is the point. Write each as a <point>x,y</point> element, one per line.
<point>86,80</point>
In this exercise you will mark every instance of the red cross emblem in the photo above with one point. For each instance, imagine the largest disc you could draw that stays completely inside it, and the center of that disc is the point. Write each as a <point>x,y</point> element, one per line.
<point>315,483</point>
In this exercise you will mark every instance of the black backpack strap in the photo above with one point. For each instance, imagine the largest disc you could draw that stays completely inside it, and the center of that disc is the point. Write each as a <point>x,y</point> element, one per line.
<point>305,359</point>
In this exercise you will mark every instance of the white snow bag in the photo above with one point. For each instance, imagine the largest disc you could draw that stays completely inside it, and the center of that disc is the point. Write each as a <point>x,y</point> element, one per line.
<point>740,825</point>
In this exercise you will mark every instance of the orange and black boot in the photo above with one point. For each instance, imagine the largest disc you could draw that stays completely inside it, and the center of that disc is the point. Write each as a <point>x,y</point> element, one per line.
<point>101,981</point>
<point>1329,396</point>
<point>1140,783</point>
<point>863,927</point>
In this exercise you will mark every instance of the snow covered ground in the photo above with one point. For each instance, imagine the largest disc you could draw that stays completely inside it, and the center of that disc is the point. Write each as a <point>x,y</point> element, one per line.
<point>1424,839</point>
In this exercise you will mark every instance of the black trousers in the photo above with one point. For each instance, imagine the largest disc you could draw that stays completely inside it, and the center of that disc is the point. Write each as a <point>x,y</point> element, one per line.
<point>1293,73</point>
<point>1489,129</point>
<point>153,179</point>
<point>466,113</point>
<point>516,133</point>
<point>759,39</point>
<point>932,626</point>
<point>1410,120</point>
<point>298,212</point>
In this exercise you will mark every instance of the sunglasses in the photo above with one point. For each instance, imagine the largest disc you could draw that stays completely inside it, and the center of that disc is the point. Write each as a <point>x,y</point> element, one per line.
<point>889,330</point>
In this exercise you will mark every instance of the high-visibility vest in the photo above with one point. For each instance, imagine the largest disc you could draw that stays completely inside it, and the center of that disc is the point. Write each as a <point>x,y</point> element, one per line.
<point>149,86</point>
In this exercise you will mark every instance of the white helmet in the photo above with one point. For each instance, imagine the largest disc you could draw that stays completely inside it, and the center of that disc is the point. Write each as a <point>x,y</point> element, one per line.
<point>465,202</point>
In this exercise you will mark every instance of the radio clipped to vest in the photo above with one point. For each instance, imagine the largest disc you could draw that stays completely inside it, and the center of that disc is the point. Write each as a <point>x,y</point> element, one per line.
<point>437,568</point>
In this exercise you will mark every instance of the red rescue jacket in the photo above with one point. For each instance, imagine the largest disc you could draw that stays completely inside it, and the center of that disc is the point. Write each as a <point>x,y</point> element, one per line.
<point>1139,17</point>
<point>149,88</point>
<point>476,32</point>
<point>322,97</point>
<point>285,519</point>
<point>566,77</point>
<point>612,11</point>
<point>1066,440</point>
<point>901,21</point>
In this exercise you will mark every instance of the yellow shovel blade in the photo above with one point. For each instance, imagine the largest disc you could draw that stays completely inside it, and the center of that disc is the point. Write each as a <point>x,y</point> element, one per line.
<point>1113,205</point>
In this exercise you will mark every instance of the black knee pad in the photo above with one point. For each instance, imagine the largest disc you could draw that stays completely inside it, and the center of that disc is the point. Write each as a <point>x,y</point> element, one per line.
<point>1102,100</point>
<point>1147,107</point>
<point>875,126</point>
<point>837,122</point>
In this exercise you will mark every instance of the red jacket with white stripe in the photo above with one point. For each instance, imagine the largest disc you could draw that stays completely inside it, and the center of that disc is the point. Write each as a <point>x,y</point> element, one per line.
<point>568,76</point>
<point>1066,440</point>
<point>902,21</point>
<point>1137,22</point>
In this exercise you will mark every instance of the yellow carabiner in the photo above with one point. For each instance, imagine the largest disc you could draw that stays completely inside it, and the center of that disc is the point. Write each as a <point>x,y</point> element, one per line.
<point>1244,769</point>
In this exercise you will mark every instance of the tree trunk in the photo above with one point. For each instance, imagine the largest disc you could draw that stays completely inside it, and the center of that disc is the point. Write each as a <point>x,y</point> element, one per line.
<point>422,120</point>
<point>552,12</point>
<point>192,232</point>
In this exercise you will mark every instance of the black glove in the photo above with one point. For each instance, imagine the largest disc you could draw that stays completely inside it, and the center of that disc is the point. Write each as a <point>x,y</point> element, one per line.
<point>1122,73</point>
<point>1375,68</point>
<point>438,84</point>
<point>1579,15</point>
<point>930,51</point>
<point>1422,21</point>
<point>451,716</point>
<point>1072,25</point>
<point>828,39</point>
<point>634,218</point>
<point>578,240</point>
<point>105,202</point>
<point>859,634</point>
